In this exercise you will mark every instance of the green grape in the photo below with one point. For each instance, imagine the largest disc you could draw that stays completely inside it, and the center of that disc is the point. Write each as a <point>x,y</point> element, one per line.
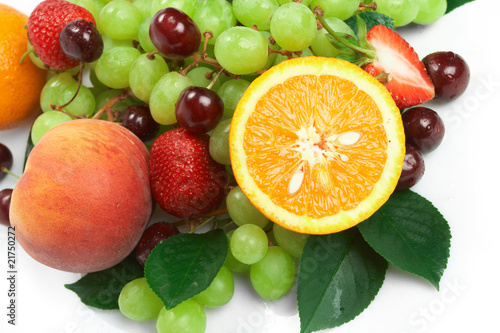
<point>430,11</point>
<point>219,292</point>
<point>274,275</point>
<point>99,5</point>
<point>242,211</point>
<point>82,105</point>
<point>322,45</point>
<point>145,73</point>
<point>164,96</point>
<point>304,2</point>
<point>46,121</point>
<point>293,26</point>
<point>199,78</point>
<point>272,56</point>
<point>34,57</point>
<point>249,243</point>
<point>110,42</point>
<point>144,7</point>
<point>241,50</point>
<point>187,317</point>
<point>97,86</point>
<point>53,89</point>
<point>219,142</point>
<point>402,11</point>
<point>88,5</point>
<point>215,16</point>
<point>120,19</point>
<point>138,301</point>
<point>113,67</point>
<point>279,58</point>
<point>231,262</point>
<point>255,12</point>
<point>230,92</point>
<point>143,35</point>
<point>343,9</point>
<point>290,241</point>
<point>187,6</point>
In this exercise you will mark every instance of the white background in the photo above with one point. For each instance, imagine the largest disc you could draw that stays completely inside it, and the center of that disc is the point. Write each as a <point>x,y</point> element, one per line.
<point>461,179</point>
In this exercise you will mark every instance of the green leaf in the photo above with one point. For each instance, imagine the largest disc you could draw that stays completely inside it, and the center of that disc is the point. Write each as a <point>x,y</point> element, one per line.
<point>410,233</point>
<point>29,148</point>
<point>371,19</point>
<point>453,4</point>
<point>101,289</point>
<point>339,276</point>
<point>184,265</point>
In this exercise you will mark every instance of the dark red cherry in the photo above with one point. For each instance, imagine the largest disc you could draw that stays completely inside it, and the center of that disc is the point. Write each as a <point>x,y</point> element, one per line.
<point>138,120</point>
<point>449,72</point>
<point>424,129</point>
<point>5,196</point>
<point>81,41</point>
<point>413,169</point>
<point>6,159</point>
<point>152,236</point>
<point>174,33</point>
<point>199,109</point>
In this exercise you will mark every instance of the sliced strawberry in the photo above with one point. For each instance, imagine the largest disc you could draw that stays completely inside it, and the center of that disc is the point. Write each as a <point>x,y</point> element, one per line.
<point>409,83</point>
<point>44,27</point>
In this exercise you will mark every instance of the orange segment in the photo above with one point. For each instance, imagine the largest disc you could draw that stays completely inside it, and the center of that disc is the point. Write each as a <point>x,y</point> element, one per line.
<point>317,144</point>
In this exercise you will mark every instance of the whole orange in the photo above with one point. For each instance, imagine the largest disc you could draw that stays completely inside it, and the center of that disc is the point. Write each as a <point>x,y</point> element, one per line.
<point>20,84</point>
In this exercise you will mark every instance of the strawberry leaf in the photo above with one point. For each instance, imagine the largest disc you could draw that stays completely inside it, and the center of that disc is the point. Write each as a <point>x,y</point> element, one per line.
<point>410,233</point>
<point>184,265</point>
<point>371,19</point>
<point>101,289</point>
<point>339,276</point>
<point>453,4</point>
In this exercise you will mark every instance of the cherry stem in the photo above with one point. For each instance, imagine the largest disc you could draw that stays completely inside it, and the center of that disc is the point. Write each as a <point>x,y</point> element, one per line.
<point>151,55</point>
<point>25,55</point>
<point>7,171</point>
<point>215,79</point>
<point>80,77</point>
<point>107,108</point>
<point>204,219</point>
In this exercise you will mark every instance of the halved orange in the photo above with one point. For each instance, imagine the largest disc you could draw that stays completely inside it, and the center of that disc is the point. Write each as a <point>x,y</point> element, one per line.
<point>317,144</point>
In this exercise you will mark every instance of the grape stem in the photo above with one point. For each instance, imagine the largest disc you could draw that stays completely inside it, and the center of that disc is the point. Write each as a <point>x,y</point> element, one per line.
<point>208,220</point>
<point>318,12</point>
<point>80,77</point>
<point>107,108</point>
<point>362,7</point>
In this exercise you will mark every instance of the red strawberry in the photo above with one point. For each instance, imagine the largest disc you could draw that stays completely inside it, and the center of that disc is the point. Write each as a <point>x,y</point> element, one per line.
<point>185,181</point>
<point>409,83</point>
<point>44,26</point>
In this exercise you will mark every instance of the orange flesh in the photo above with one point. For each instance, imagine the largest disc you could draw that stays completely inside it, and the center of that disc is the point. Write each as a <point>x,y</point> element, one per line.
<point>303,117</point>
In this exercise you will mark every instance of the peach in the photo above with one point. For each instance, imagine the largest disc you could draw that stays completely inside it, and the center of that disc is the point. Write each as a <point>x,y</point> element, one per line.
<point>84,198</point>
